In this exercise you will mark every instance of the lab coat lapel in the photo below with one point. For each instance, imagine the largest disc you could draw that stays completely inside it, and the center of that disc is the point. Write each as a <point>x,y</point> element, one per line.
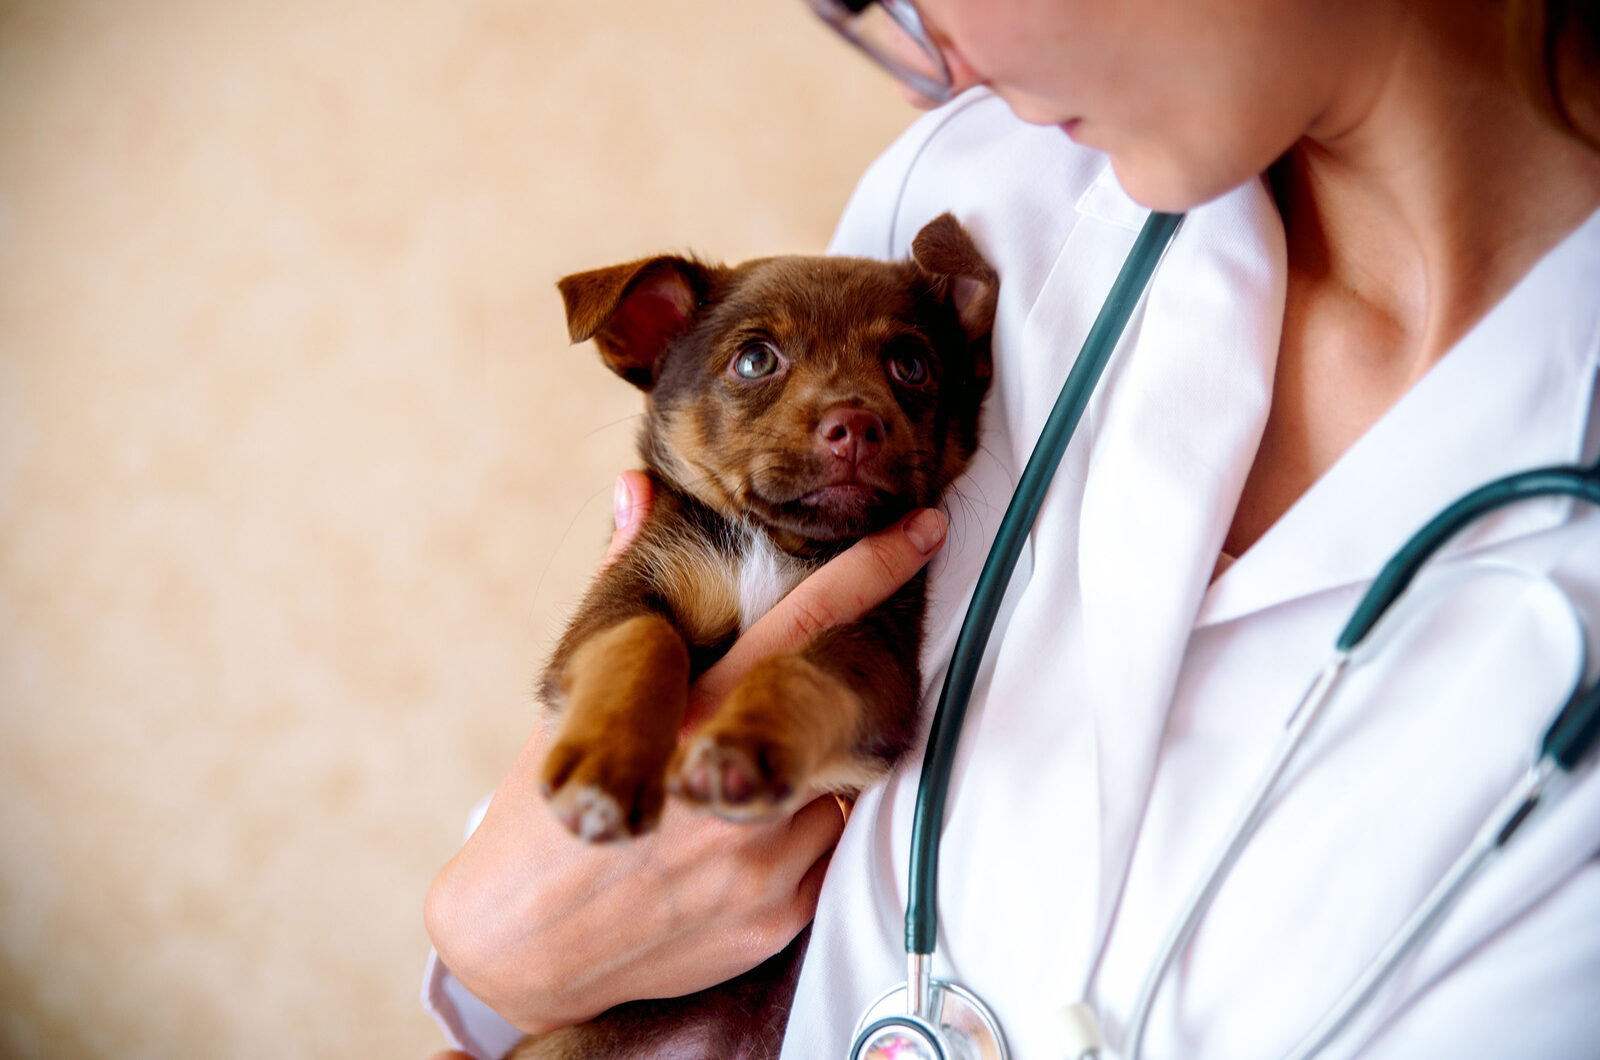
<point>1030,366</point>
<point>1491,406</point>
<point>1129,521</point>
<point>1174,431</point>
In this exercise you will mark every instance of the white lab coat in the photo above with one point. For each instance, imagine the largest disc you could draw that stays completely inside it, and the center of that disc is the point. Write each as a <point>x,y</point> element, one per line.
<point>1128,700</point>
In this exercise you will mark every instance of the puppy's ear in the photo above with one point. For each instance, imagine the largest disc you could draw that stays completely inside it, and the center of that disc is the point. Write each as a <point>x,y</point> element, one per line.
<point>633,311</point>
<point>945,252</point>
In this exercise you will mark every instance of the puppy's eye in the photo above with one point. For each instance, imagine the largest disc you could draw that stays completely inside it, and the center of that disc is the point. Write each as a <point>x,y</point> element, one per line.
<point>756,361</point>
<point>909,368</point>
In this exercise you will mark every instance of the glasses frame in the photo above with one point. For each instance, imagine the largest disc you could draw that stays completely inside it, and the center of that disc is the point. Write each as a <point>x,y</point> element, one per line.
<point>841,15</point>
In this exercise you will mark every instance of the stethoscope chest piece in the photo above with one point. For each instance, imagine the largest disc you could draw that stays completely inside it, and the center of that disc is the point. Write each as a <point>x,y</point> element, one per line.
<point>958,1027</point>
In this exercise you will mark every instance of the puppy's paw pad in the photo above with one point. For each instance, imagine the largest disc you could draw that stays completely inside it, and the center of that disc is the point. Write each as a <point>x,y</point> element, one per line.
<point>602,796</point>
<point>733,777</point>
<point>590,813</point>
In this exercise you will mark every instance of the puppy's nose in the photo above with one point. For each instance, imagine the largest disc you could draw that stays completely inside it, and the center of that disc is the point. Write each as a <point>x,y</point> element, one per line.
<point>851,434</point>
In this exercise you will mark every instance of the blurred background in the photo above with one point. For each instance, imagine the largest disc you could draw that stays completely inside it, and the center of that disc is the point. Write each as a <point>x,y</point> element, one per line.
<point>298,474</point>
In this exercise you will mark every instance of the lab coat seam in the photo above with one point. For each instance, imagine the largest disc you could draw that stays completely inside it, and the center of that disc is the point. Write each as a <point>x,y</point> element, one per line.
<point>946,117</point>
<point>1584,423</point>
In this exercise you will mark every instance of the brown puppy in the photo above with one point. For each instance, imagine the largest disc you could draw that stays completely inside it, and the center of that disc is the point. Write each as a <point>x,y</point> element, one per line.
<point>795,404</point>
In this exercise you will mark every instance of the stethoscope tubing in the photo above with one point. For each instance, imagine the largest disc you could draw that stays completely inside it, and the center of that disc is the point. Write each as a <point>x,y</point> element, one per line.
<point>938,763</point>
<point>1582,483</point>
<point>1566,742</point>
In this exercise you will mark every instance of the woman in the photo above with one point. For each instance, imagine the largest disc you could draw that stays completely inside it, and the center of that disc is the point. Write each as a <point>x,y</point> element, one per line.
<point>1382,295</point>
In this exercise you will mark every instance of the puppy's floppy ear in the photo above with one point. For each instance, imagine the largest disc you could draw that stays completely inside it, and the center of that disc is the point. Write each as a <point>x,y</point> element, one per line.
<point>633,311</point>
<point>945,252</point>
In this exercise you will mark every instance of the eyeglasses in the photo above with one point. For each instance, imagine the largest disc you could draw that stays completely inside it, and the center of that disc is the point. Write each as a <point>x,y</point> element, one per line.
<point>891,34</point>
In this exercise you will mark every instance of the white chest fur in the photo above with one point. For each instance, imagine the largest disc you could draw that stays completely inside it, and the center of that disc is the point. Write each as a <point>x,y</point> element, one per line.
<point>766,574</point>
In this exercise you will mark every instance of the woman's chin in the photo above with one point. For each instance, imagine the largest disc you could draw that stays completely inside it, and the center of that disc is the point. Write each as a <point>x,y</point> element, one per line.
<point>1169,188</point>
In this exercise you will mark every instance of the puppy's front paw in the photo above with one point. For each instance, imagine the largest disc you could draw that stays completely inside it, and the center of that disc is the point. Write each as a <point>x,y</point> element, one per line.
<point>624,690</point>
<point>737,774</point>
<point>785,724</point>
<point>602,793</point>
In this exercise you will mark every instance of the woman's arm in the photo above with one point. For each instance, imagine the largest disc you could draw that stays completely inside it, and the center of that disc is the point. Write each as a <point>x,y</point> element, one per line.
<point>549,930</point>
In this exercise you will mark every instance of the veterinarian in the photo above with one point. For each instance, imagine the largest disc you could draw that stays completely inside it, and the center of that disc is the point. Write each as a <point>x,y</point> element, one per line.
<point>1385,292</point>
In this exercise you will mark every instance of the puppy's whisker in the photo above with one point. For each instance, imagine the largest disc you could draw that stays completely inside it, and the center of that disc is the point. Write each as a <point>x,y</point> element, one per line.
<point>566,534</point>
<point>637,417</point>
<point>956,496</point>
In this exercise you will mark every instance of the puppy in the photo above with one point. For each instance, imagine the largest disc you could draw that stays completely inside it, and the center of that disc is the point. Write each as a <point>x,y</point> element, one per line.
<point>795,404</point>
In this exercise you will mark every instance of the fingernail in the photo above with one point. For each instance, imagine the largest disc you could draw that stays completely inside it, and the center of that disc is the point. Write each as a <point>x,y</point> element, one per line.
<point>925,530</point>
<point>622,503</point>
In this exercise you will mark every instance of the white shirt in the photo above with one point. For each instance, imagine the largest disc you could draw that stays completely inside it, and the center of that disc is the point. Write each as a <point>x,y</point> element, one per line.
<point>1128,701</point>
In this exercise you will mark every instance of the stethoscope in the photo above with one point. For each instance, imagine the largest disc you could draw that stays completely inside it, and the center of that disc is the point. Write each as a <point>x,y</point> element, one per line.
<point>931,1019</point>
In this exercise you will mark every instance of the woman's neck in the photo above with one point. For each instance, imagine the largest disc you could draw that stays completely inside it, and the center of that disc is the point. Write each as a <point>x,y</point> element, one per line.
<point>1416,202</point>
<point>1428,192</point>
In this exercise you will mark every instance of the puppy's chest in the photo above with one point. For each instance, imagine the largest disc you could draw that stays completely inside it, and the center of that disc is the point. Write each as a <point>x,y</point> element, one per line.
<point>764,575</point>
<point>722,587</point>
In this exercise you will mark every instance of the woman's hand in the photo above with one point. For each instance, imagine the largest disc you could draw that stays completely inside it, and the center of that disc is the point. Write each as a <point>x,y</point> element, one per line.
<point>549,930</point>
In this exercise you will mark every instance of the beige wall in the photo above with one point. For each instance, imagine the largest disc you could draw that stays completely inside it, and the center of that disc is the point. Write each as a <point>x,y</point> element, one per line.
<point>297,472</point>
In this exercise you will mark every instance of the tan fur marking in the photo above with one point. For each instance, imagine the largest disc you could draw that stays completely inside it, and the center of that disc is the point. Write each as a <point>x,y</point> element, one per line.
<point>707,481</point>
<point>698,581</point>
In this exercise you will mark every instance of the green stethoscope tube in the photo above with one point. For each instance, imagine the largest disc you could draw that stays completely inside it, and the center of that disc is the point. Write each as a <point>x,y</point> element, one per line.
<point>1575,730</point>
<point>1404,564</point>
<point>1126,291</point>
<point>1569,738</point>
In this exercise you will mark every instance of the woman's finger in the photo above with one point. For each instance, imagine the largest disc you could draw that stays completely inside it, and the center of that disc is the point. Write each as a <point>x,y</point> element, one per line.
<point>842,590</point>
<point>630,504</point>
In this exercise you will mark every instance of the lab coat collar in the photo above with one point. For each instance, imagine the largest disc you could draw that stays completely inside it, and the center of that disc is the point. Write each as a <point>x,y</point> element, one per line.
<point>1493,405</point>
<point>1104,200</point>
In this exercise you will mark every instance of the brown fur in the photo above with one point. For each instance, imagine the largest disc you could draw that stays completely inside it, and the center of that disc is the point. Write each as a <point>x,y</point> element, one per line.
<point>868,411</point>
